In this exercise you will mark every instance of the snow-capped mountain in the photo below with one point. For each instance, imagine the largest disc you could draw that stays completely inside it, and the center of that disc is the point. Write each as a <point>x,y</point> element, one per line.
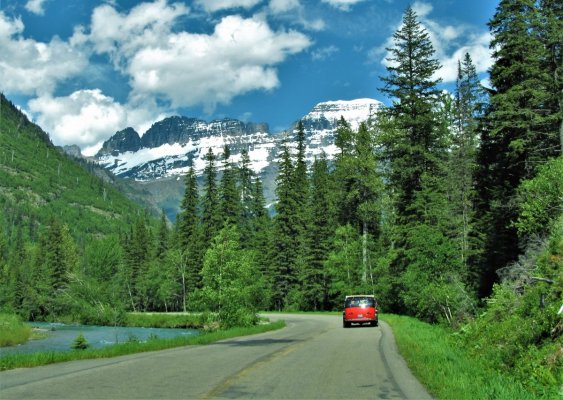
<point>174,144</point>
<point>320,123</point>
<point>165,152</point>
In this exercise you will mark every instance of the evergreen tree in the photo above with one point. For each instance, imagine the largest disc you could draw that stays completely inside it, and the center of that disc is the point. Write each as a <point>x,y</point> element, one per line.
<point>413,88</point>
<point>286,233</point>
<point>162,243</point>
<point>520,129</point>
<point>343,138</point>
<point>314,279</point>
<point>54,260</point>
<point>342,175</point>
<point>246,198</point>
<point>520,117</point>
<point>211,216</point>
<point>551,12</point>
<point>261,231</point>
<point>300,192</point>
<point>137,247</point>
<point>7,285</point>
<point>414,145</point>
<point>469,104</point>
<point>366,191</point>
<point>188,258</point>
<point>229,192</point>
<point>188,219</point>
<point>300,183</point>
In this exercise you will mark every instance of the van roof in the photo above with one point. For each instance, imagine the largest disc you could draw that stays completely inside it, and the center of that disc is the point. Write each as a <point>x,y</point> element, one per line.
<point>360,295</point>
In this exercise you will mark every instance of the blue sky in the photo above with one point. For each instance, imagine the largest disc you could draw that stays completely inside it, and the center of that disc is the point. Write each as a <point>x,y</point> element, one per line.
<point>84,69</point>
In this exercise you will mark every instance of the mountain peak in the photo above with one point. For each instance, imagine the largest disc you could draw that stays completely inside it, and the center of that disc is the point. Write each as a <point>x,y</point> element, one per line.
<point>175,143</point>
<point>125,140</point>
<point>327,113</point>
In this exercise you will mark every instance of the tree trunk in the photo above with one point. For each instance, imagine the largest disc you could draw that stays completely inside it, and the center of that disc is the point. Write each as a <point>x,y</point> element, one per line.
<point>184,291</point>
<point>131,297</point>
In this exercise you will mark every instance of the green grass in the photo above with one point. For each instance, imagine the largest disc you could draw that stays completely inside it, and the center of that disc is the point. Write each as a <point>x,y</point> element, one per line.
<point>13,331</point>
<point>36,359</point>
<point>444,368</point>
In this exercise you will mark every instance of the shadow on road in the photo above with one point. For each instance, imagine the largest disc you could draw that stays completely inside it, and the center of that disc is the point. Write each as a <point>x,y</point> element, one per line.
<point>257,342</point>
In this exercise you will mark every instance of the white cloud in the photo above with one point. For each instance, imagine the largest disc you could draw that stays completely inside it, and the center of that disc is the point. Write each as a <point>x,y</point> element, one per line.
<point>190,69</point>
<point>478,48</point>
<point>293,12</point>
<point>315,25</point>
<point>88,117</point>
<point>161,62</point>
<point>35,6</point>
<point>217,5</point>
<point>30,67</point>
<point>283,6</point>
<point>121,36</point>
<point>450,43</point>
<point>422,9</point>
<point>324,53</point>
<point>342,5</point>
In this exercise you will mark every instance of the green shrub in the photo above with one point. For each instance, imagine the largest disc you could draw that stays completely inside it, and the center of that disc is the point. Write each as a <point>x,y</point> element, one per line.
<point>231,280</point>
<point>541,199</point>
<point>80,343</point>
<point>13,331</point>
<point>520,331</point>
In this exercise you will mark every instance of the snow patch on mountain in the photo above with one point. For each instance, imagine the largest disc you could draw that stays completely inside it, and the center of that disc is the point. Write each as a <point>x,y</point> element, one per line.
<point>354,111</point>
<point>174,144</point>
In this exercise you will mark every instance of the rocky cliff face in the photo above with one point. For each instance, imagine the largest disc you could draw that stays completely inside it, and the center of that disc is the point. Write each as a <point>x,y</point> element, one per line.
<point>127,140</point>
<point>172,145</point>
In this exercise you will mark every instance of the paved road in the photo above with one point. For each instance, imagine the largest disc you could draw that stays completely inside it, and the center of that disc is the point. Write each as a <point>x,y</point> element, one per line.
<point>312,358</point>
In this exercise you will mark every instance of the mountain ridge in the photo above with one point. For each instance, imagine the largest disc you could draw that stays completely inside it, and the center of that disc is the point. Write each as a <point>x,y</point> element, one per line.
<point>176,143</point>
<point>40,183</point>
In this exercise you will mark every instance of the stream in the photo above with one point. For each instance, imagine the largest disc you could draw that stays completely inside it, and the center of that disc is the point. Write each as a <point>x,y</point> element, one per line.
<point>61,336</point>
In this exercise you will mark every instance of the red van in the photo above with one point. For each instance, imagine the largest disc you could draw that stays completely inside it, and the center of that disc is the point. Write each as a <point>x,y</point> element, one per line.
<point>361,309</point>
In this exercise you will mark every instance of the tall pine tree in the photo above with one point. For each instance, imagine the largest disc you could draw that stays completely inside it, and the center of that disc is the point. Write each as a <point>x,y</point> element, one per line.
<point>211,203</point>
<point>411,84</point>
<point>229,191</point>
<point>286,234</point>
<point>314,279</point>
<point>520,129</point>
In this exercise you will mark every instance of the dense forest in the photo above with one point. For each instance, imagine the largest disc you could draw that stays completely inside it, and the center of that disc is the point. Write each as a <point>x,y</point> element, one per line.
<point>446,206</point>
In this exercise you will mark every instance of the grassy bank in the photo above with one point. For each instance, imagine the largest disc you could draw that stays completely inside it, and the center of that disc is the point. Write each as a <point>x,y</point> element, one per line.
<point>445,369</point>
<point>33,360</point>
<point>13,331</point>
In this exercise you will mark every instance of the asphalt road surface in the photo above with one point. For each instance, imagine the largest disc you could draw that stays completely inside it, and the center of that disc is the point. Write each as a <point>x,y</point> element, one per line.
<point>312,358</point>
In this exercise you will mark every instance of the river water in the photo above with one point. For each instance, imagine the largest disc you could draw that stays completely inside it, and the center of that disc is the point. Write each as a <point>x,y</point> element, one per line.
<point>61,336</point>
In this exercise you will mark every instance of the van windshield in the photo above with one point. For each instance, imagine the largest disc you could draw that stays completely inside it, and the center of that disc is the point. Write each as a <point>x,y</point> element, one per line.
<point>360,302</point>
